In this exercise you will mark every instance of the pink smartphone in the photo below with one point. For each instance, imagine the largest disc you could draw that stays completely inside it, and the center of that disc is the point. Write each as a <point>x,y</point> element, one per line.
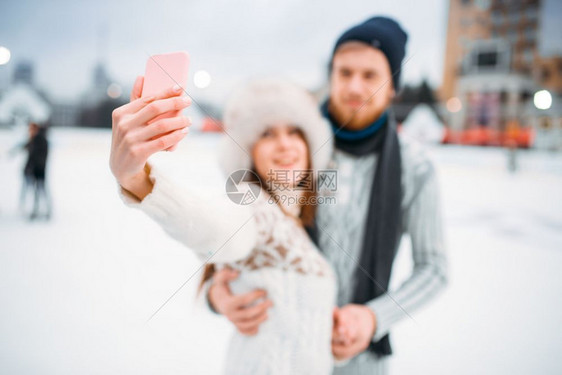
<point>164,71</point>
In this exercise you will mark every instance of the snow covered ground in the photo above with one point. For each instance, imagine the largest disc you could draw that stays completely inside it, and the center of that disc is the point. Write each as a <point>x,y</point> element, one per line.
<point>76,292</point>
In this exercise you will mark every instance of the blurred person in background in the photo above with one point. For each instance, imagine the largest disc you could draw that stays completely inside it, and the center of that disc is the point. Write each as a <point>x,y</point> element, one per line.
<point>37,148</point>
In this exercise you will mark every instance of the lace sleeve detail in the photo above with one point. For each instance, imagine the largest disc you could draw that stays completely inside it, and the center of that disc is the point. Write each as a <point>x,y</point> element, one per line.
<point>282,243</point>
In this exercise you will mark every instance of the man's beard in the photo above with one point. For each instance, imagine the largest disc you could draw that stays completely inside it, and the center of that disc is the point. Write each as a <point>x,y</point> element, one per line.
<point>355,119</point>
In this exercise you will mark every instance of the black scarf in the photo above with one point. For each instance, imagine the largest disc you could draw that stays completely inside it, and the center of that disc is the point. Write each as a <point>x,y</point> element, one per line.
<point>383,227</point>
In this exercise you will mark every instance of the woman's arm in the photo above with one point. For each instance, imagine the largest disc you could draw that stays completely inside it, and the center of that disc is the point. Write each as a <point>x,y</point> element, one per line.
<point>140,185</point>
<point>217,229</point>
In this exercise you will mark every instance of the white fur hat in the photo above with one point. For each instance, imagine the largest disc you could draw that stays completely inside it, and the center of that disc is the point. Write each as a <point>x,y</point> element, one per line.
<point>263,103</point>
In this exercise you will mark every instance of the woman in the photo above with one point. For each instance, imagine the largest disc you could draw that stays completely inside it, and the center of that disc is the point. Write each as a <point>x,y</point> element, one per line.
<point>275,129</point>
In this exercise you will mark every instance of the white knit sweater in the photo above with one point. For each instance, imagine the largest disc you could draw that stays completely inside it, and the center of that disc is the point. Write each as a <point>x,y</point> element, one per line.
<point>274,253</point>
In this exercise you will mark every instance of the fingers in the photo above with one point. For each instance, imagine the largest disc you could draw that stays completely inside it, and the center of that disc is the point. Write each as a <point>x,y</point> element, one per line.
<point>343,351</point>
<point>220,295</point>
<point>340,338</point>
<point>253,325</point>
<point>339,321</point>
<point>225,275</point>
<point>248,319</point>
<point>161,143</point>
<point>250,332</point>
<point>252,313</point>
<point>249,298</point>
<point>141,102</point>
<point>160,106</point>
<point>137,88</point>
<point>173,148</point>
<point>242,310</point>
<point>346,350</point>
<point>162,127</point>
<point>341,332</point>
<point>336,316</point>
<point>341,329</point>
<point>169,92</point>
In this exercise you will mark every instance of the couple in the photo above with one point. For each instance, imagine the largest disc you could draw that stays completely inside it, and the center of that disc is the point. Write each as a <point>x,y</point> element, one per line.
<point>296,308</point>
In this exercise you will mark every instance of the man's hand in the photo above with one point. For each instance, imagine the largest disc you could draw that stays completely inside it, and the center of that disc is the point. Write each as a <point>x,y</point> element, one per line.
<point>354,327</point>
<point>242,310</point>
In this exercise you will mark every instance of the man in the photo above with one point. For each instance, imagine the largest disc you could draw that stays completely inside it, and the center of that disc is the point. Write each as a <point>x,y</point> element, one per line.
<point>385,187</point>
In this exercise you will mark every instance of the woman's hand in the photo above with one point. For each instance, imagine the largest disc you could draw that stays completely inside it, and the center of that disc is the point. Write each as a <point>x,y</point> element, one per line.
<point>139,132</point>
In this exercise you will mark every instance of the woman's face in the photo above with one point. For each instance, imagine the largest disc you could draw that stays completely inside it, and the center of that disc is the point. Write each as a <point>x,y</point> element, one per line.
<point>280,151</point>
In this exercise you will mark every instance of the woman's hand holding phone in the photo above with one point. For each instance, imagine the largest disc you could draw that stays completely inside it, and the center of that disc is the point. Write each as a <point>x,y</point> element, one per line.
<point>137,134</point>
<point>163,71</point>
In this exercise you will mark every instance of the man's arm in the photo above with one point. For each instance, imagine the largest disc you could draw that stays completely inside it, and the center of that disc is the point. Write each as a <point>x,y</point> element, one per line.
<point>240,309</point>
<point>424,225</point>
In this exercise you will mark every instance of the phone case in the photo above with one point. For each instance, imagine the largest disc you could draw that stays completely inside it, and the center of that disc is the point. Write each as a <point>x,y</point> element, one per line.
<point>164,71</point>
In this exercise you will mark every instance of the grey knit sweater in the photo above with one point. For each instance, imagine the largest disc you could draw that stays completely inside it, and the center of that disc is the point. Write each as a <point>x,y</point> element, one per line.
<point>341,230</point>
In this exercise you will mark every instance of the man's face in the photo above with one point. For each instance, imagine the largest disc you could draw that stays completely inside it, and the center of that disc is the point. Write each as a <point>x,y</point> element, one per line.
<point>361,85</point>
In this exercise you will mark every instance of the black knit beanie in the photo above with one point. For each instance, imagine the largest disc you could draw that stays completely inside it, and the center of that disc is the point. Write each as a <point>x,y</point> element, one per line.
<point>384,34</point>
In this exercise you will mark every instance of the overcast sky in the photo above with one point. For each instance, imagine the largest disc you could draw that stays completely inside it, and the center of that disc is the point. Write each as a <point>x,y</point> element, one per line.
<point>232,40</point>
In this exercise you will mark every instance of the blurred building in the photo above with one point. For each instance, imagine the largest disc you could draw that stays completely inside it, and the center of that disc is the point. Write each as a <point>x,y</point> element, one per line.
<point>94,107</point>
<point>492,69</point>
<point>22,102</point>
<point>65,114</point>
<point>97,92</point>
<point>410,97</point>
<point>100,99</point>
<point>424,125</point>
<point>24,73</point>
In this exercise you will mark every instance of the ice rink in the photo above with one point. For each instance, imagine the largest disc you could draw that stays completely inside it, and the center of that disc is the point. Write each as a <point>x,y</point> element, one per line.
<point>76,292</point>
